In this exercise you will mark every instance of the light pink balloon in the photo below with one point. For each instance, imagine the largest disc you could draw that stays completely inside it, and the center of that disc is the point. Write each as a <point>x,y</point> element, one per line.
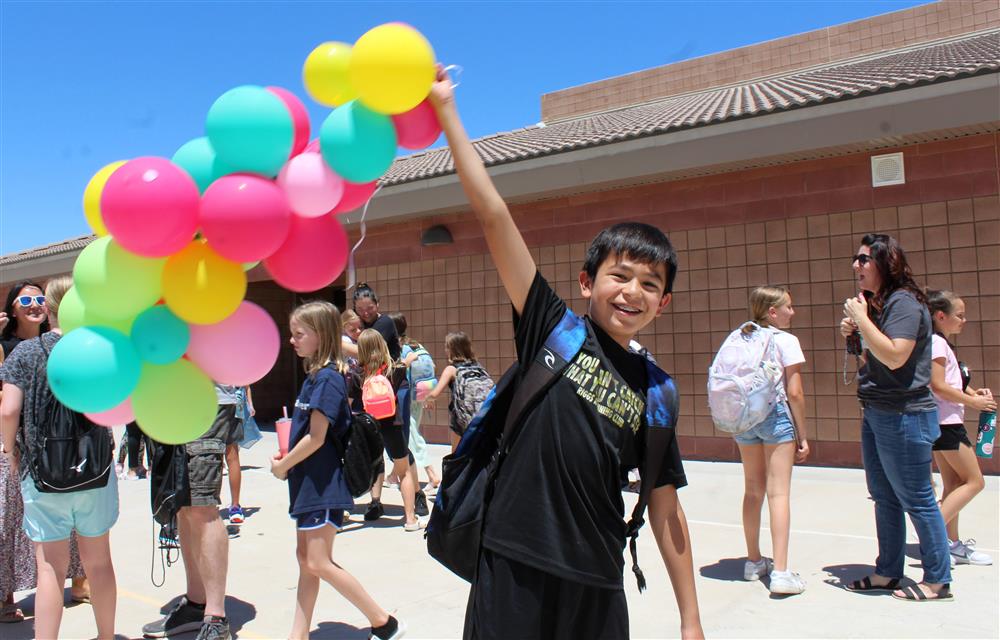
<point>311,186</point>
<point>314,254</point>
<point>244,217</point>
<point>239,350</point>
<point>355,195</point>
<point>122,414</point>
<point>300,118</point>
<point>150,207</point>
<point>418,128</point>
<point>312,147</point>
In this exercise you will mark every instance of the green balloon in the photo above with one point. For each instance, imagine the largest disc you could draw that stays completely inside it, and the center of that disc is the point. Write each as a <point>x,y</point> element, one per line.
<point>199,159</point>
<point>357,143</point>
<point>93,369</point>
<point>174,403</point>
<point>114,283</point>
<point>73,314</point>
<point>159,336</point>
<point>251,129</point>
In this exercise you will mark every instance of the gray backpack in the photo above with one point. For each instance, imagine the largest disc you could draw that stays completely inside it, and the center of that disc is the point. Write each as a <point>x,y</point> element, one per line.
<point>472,385</point>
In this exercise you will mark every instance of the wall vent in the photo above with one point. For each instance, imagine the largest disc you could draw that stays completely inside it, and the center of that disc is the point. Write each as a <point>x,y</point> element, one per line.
<point>888,169</point>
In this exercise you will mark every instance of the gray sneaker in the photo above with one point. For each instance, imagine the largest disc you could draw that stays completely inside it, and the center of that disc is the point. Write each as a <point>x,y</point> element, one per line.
<point>965,553</point>
<point>215,628</point>
<point>787,584</point>
<point>182,618</point>
<point>757,570</point>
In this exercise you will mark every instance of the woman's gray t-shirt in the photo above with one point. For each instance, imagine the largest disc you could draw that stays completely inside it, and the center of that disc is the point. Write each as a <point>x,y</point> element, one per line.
<point>906,389</point>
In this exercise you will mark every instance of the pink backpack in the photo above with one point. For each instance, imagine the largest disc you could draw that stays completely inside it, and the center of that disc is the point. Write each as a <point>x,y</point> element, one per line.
<point>378,397</point>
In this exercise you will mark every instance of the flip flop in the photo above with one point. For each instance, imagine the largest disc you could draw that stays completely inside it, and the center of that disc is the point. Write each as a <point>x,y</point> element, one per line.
<point>865,584</point>
<point>9,614</point>
<point>913,593</point>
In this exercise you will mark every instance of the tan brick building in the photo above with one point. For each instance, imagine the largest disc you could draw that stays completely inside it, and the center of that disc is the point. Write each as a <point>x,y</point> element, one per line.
<point>758,162</point>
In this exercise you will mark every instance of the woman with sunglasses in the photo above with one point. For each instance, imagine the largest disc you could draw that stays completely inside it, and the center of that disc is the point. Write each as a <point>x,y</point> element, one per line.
<point>900,418</point>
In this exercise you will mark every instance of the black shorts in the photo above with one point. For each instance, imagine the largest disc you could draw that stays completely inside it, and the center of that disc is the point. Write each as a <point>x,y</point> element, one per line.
<point>205,456</point>
<point>512,600</point>
<point>952,436</point>
<point>394,439</point>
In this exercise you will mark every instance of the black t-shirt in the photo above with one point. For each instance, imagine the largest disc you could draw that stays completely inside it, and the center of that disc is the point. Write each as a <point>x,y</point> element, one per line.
<point>558,501</point>
<point>384,325</point>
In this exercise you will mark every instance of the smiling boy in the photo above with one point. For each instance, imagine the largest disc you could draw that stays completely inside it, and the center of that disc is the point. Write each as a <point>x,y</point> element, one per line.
<point>552,559</point>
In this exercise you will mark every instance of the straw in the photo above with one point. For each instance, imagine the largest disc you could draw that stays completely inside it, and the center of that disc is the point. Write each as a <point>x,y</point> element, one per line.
<point>284,412</point>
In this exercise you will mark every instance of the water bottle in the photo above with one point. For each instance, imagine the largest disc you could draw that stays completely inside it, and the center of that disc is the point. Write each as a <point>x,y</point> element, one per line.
<point>987,432</point>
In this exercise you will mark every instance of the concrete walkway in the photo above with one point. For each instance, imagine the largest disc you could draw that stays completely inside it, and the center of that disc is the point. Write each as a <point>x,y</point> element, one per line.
<point>832,540</point>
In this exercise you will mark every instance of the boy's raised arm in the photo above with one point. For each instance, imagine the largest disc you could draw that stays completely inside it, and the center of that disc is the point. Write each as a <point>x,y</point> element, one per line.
<point>514,263</point>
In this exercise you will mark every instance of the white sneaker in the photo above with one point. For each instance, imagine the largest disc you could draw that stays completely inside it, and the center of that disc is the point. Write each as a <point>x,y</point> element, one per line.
<point>965,553</point>
<point>421,523</point>
<point>787,583</point>
<point>757,570</point>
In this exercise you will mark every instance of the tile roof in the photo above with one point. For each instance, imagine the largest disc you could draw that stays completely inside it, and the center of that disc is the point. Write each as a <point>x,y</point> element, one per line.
<point>54,249</point>
<point>936,62</point>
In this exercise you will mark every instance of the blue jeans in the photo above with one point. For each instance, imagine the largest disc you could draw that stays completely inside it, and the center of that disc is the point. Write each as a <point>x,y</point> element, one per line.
<point>897,455</point>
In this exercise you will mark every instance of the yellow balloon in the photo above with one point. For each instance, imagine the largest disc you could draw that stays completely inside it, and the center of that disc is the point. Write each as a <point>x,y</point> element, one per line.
<point>325,74</point>
<point>202,287</point>
<point>392,68</point>
<point>92,198</point>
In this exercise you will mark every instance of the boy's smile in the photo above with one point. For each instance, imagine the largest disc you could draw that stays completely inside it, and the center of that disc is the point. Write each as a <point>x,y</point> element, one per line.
<point>625,296</point>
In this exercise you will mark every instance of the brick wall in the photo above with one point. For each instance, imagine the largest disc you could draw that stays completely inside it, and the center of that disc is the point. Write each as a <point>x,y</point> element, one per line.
<point>796,224</point>
<point>880,33</point>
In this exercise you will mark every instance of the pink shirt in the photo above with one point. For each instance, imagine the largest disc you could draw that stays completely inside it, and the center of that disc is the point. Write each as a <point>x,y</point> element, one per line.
<point>948,412</point>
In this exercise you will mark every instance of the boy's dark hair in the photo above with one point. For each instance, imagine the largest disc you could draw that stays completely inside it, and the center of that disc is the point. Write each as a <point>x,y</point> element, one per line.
<point>8,308</point>
<point>364,291</point>
<point>640,242</point>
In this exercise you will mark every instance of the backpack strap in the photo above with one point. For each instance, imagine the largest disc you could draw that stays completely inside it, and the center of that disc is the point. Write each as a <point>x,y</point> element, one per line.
<point>661,412</point>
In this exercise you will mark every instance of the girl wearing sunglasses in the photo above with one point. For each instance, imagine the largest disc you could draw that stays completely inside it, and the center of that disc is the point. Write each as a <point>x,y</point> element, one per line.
<point>24,315</point>
<point>899,419</point>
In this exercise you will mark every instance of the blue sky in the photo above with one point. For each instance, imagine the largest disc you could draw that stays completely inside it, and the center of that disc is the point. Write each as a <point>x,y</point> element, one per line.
<point>83,84</point>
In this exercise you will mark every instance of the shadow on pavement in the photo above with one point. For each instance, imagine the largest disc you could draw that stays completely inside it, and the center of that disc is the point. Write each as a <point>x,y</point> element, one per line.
<point>730,569</point>
<point>238,611</point>
<point>843,574</point>
<point>337,631</point>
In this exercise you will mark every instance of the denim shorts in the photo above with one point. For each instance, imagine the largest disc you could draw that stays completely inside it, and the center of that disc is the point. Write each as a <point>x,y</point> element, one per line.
<point>318,519</point>
<point>777,428</point>
<point>50,517</point>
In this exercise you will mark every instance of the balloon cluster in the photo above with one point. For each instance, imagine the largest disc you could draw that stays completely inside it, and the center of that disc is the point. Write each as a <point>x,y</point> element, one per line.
<point>157,309</point>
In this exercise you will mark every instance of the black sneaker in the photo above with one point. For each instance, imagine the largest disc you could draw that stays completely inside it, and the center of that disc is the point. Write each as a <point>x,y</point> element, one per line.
<point>184,617</point>
<point>391,630</point>
<point>420,504</point>
<point>215,628</point>
<point>375,511</point>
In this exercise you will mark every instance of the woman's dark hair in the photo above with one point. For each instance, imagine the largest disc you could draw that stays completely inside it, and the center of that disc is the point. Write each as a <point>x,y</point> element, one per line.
<point>459,347</point>
<point>364,291</point>
<point>399,320</point>
<point>8,308</point>
<point>641,242</point>
<point>890,260</point>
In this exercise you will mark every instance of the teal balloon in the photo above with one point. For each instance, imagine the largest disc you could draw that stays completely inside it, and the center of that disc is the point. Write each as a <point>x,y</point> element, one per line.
<point>251,130</point>
<point>199,159</point>
<point>357,143</point>
<point>159,336</point>
<point>93,369</point>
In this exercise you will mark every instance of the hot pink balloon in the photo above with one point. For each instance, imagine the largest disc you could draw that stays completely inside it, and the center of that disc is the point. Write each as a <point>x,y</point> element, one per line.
<point>311,186</point>
<point>300,118</point>
<point>244,217</point>
<point>312,147</point>
<point>150,206</point>
<point>355,195</point>
<point>239,350</point>
<point>313,256</point>
<point>122,414</point>
<point>418,128</point>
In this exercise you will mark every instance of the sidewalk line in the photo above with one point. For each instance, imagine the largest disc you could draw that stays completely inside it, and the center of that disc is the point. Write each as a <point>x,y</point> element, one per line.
<point>809,532</point>
<point>242,633</point>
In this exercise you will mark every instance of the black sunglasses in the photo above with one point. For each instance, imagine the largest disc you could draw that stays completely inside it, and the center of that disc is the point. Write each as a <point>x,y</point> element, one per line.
<point>25,301</point>
<point>862,259</point>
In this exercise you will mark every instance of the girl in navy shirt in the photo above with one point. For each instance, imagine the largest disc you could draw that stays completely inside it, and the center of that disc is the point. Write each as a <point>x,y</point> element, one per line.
<point>318,493</point>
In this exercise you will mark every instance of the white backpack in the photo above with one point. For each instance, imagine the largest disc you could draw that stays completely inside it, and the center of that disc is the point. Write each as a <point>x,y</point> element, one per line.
<point>744,381</point>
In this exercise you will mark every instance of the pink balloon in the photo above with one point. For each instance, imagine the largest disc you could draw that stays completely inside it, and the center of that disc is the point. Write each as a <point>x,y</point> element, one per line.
<point>239,350</point>
<point>244,217</point>
<point>122,414</point>
<point>312,147</point>
<point>355,195</point>
<point>311,186</point>
<point>300,118</point>
<point>418,128</point>
<point>313,256</point>
<point>150,207</point>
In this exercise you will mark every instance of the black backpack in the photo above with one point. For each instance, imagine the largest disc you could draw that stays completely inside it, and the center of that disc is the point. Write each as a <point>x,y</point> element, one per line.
<point>169,487</point>
<point>360,451</point>
<point>69,452</point>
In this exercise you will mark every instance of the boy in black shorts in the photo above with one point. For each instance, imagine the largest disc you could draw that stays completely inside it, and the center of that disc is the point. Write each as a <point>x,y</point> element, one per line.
<point>551,566</point>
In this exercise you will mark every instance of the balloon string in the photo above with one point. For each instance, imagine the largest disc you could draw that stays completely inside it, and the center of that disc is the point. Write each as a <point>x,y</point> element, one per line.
<point>350,261</point>
<point>457,68</point>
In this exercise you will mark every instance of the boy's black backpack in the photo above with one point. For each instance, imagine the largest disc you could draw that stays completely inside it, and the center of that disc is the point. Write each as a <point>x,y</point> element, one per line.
<point>360,450</point>
<point>472,385</point>
<point>169,488</point>
<point>454,533</point>
<point>69,452</point>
